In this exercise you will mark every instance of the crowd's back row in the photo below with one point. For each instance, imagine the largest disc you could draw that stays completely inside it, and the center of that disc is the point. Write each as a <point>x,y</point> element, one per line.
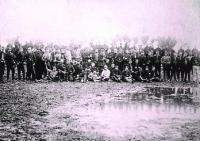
<point>99,64</point>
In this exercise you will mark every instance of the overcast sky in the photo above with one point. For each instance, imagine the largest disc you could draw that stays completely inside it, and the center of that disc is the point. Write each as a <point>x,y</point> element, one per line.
<point>65,20</point>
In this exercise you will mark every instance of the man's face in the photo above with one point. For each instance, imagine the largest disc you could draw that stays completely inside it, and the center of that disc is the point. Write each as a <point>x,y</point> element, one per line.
<point>54,68</point>
<point>29,50</point>
<point>115,50</point>
<point>21,49</point>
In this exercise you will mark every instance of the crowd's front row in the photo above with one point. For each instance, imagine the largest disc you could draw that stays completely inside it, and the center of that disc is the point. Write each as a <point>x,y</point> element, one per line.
<point>148,65</point>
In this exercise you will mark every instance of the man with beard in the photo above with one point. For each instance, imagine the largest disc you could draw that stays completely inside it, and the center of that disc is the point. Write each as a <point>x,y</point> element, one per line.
<point>20,58</point>
<point>2,63</point>
<point>10,62</point>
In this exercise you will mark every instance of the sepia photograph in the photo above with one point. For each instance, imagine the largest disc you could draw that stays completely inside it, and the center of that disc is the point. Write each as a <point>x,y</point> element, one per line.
<point>99,70</point>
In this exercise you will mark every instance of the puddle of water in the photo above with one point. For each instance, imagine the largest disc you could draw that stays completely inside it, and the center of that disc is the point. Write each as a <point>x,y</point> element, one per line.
<point>134,111</point>
<point>149,112</point>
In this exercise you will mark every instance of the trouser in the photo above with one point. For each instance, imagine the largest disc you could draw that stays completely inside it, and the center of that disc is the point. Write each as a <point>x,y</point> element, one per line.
<point>116,78</point>
<point>30,72</point>
<point>196,74</point>
<point>178,72</point>
<point>166,70</point>
<point>120,65</point>
<point>39,69</point>
<point>158,70</point>
<point>2,69</point>
<point>10,68</point>
<point>173,74</point>
<point>136,77</point>
<point>182,74</point>
<point>127,79</point>
<point>20,68</point>
<point>187,75</point>
<point>61,75</point>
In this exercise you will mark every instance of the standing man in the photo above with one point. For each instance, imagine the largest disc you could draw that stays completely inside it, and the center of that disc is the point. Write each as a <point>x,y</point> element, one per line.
<point>20,58</point>
<point>2,63</point>
<point>30,61</point>
<point>10,62</point>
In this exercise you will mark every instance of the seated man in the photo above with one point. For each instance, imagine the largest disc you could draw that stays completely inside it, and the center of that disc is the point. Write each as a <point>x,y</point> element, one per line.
<point>61,70</point>
<point>69,71</point>
<point>154,77</point>
<point>116,74</point>
<point>105,75</point>
<point>52,74</point>
<point>126,75</point>
<point>93,76</point>
<point>146,75</point>
<point>78,69</point>
<point>136,74</point>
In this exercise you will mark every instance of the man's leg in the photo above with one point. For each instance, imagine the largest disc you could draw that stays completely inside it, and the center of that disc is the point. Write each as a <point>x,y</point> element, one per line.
<point>13,72</point>
<point>8,71</point>
<point>19,72</point>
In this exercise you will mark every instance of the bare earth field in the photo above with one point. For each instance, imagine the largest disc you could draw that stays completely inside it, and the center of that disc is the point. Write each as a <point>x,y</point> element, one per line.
<point>96,112</point>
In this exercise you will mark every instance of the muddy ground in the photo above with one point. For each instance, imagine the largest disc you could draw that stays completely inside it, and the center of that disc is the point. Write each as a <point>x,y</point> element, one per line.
<point>65,111</point>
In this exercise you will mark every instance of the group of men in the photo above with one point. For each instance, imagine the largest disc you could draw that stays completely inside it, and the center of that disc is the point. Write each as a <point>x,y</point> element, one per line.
<point>118,64</point>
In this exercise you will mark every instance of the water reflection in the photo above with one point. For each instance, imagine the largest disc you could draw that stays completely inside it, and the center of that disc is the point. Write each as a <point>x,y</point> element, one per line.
<point>159,100</point>
<point>136,113</point>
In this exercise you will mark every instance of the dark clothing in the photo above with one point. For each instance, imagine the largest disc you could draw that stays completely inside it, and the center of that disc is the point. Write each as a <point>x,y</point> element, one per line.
<point>157,64</point>
<point>125,75</point>
<point>188,67</point>
<point>182,67</point>
<point>166,61</point>
<point>40,67</point>
<point>146,76</point>
<point>119,61</point>
<point>136,74</point>
<point>30,60</point>
<point>142,62</point>
<point>2,66</point>
<point>116,75</point>
<point>77,70</point>
<point>69,72</point>
<point>20,58</point>
<point>10,63</point>
<point>178,66</point>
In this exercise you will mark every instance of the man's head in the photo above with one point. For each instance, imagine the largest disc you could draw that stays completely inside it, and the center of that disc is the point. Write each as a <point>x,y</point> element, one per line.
<point>126,68</point>
<point>146,68</point>
<point>21,49</point>
<point>116,67</point>
<point>54,68</point>
<point>112,65</point>
<point>105,67</point>
<point>29,50</point>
